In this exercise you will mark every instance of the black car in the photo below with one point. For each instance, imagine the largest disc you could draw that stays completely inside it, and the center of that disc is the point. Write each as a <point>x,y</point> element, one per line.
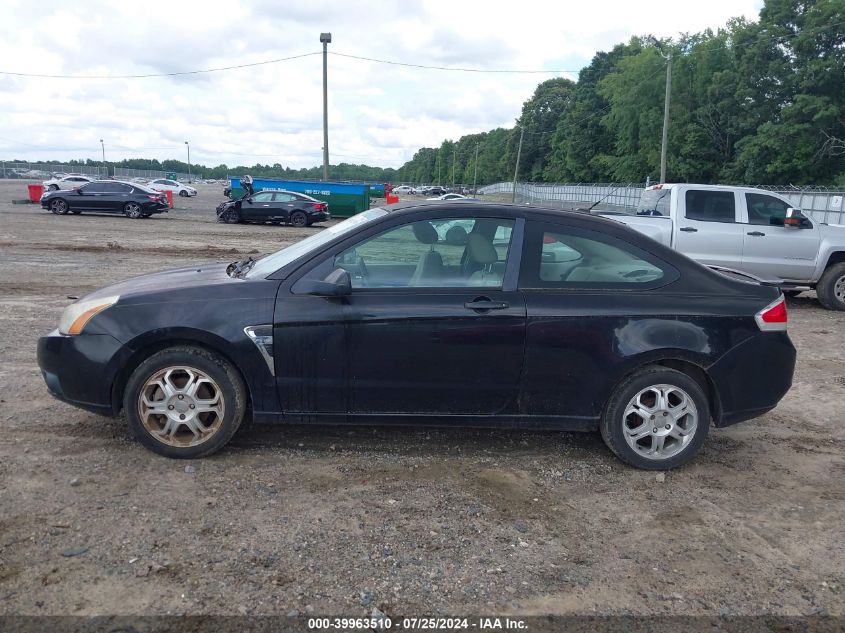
<point>276,207</point>
<point>107,196</point>
<point>449,314</point>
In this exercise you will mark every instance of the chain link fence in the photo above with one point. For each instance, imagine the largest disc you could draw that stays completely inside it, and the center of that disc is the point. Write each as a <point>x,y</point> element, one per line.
<point>821,203</point>
<point>47,170</point>
<point>125,173</point>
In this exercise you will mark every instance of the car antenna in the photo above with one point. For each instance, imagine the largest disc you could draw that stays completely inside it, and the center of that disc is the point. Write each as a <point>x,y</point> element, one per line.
<point>607,195</point>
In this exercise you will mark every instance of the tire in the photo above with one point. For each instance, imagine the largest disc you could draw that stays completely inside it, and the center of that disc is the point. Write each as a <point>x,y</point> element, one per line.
<point>132,210</point>
<point>298,219</point>
<point>229,217</point>
<point>831,287</point>
<point>58,206</point>
<point>183,193</point>
<point>53,188</point>
<point>642,388</point>
<point>218,387</point>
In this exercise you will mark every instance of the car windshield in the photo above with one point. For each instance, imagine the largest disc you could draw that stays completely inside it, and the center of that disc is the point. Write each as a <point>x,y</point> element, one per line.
<point>272,263</point>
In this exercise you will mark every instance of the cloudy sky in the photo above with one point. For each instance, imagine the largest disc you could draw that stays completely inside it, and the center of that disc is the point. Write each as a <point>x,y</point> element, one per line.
<point>378,113</point>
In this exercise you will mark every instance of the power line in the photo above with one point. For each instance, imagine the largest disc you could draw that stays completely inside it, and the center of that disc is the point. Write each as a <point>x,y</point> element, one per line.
<point>452,68</point>
<point>152,75</point>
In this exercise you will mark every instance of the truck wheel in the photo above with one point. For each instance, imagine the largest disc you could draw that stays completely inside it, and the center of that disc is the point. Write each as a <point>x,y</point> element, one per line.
<point>831,287</point>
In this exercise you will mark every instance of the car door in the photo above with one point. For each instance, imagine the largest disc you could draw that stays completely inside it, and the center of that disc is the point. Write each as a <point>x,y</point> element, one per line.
<point>430,327</point>
<point>283,205</point>
<point>258,207</point>
<point>584,292</point>
<point>771,249</point>
<point>708,227</point>
<point>88,197</point>
<point>116,196</point>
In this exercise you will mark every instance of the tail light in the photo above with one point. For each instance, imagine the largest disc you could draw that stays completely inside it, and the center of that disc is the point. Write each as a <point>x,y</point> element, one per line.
<point>773,317</point>
<point>154,198</point>
<point>321,206</point>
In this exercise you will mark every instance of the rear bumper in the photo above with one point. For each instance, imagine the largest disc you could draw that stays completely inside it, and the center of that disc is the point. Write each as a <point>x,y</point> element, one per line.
<point>81,370</point>
<point>320,216</point>
<point>156,207</point>
<point>753,377</point>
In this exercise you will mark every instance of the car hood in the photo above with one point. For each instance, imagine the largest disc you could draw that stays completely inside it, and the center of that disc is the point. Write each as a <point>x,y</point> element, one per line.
<point>201,275</point>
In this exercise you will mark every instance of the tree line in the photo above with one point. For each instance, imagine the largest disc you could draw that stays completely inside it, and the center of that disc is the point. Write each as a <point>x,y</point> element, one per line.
<point>754,102</point>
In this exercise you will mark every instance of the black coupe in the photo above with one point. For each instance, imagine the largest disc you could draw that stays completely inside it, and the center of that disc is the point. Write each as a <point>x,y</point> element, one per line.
<point>276,207</point>
<point>107,196</point>
<point>458,313</point>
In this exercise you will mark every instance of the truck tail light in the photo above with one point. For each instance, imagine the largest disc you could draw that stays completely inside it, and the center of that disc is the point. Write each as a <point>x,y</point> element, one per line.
<point>773,317</point>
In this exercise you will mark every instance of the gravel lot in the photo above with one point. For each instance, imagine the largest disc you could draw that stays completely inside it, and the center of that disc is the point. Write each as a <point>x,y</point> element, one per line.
<point>341,520</point>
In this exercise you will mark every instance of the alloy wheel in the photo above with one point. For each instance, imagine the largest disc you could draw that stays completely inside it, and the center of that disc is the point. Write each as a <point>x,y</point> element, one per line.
<point>839,289</point>
<point>59,207</point>
<point>181,406</point>
<point>133,210</point>
<point>660,421</point>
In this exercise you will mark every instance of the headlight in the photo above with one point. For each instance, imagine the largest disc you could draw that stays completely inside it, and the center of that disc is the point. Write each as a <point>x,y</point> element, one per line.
<point>76,315</point>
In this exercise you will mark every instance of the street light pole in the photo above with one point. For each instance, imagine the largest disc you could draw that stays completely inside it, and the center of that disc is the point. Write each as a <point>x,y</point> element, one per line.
<point>475,175</point>
<point>325,38</point>
<point>103,147</point>
<point>665,142</point>
<point>516,167</point>
<point>188,145</point>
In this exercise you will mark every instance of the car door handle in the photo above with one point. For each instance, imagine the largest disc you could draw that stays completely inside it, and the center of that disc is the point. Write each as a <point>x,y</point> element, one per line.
<point>756,233</point>
<point>485,304</point>
<point>689,229</point>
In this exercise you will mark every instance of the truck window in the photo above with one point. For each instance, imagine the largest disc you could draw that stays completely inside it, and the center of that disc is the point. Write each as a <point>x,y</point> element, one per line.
<point>763,209</point>
<point>654,202</point>
<point>710,206</point>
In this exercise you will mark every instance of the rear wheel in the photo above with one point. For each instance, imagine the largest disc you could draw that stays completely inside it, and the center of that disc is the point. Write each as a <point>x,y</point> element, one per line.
<point>298,219</point>
<point>184,402</point>
<point>58,206</point>
<point>831,287</point>
<point>132,210</point>
<point>657,419</point>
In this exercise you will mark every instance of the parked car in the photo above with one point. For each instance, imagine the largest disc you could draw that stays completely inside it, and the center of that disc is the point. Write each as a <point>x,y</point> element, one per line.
<point>450,196</point>
<point>163,184</point>
<point>66,182</point>
<point>107,196</point>
<point>376,320</point>
<point>436,191</point>
<point>276,207</point>
<point>748,229</point>
<point>404,190</point>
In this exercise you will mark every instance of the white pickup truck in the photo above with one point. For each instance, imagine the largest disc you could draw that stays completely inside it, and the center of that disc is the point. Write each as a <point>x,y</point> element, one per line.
<point>746,229</point>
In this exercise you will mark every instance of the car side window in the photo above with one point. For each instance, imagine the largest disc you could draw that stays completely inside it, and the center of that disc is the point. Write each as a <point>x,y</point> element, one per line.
<point>710,206</point>
<point>448,253</point>
<point>262,197</point>
<point>282,197</point>
<point>763,209</point>
<point>560,257</point>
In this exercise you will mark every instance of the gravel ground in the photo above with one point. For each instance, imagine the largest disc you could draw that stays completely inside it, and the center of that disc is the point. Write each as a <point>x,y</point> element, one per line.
<point>410,521</point>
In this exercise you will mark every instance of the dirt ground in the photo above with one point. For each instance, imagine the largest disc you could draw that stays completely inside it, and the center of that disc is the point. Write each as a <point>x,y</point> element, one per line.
<point>412,521</point>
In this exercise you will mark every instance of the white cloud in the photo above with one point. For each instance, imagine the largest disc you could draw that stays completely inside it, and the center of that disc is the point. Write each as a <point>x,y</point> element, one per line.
<point>380,114</point>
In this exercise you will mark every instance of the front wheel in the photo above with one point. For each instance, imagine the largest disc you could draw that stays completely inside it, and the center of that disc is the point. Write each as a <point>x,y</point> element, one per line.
<point>298,219</point>
<point>229,216</point>
<point>58,206</point>
<point>53,188</point>
<point>657,419</point>
<point>183,193</point>
<point>831,287</point>
<point>132,210</point>
<point>184,402</point>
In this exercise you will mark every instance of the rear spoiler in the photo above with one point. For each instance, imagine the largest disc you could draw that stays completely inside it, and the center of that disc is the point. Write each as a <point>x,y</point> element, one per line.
<point>741,273</point>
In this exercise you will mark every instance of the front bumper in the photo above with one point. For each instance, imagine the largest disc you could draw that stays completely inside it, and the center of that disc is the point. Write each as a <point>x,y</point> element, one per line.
<point>752,377</point>
<point>81,370</point>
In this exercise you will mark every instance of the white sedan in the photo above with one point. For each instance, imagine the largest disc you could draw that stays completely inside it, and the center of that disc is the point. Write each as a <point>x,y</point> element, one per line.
<point>163,184</point>
<point>404,190</point>
<point>66,182</point>
<point>450,196</point>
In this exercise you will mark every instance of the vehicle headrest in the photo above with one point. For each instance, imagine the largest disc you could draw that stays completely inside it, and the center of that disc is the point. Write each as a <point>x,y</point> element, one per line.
<point>457,236</point>
<point>425,233</point>
<point>481,250</point>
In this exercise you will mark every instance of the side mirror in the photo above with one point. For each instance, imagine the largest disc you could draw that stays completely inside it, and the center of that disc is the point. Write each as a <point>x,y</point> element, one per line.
<point>79,192</point>
<point>337,283</point>
<point>794,218</point>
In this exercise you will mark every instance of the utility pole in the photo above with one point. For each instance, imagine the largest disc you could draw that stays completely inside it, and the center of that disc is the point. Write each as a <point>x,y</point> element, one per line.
<point>103,147</point>
<point>516,167</point>
<point>475,175</point>
<point>666,118</point>
<point>454,162</point>
<point>437,160</point>
<point>188,145</point>
<point>325,38</point>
